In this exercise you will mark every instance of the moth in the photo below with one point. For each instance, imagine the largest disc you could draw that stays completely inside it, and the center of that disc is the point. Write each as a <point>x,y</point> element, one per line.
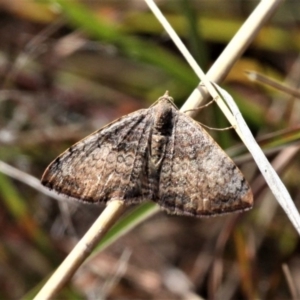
<point>157,154</point>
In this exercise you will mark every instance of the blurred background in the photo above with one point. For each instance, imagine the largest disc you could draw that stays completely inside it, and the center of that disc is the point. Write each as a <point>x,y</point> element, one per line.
<point>69,67</point>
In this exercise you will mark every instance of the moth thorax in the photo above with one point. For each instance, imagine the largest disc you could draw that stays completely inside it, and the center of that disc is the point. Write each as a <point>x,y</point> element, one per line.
<point>163,119</point>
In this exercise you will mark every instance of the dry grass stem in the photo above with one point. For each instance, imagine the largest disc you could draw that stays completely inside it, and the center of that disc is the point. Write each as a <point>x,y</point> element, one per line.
<point>276,185</point>
<point>235,48</point>
<point>260,78</point>
<point>81,251</point>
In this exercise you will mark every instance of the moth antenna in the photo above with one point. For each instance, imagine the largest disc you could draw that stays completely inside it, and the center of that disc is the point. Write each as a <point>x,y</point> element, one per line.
<point>200,107</point>
<point>216,129</point>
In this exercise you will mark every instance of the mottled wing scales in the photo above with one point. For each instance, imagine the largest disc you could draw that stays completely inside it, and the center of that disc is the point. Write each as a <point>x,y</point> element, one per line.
<point>156,154</point>
<point>197,177</point>
<point>107,164</point>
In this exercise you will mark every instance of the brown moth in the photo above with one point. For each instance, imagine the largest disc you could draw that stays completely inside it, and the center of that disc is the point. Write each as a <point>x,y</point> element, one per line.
<point>157,154</point>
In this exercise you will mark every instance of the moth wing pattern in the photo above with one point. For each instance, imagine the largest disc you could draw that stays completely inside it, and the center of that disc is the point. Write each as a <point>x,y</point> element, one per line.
<point>157,154</point>
<point>197,177</point>
<point>107,164</point>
